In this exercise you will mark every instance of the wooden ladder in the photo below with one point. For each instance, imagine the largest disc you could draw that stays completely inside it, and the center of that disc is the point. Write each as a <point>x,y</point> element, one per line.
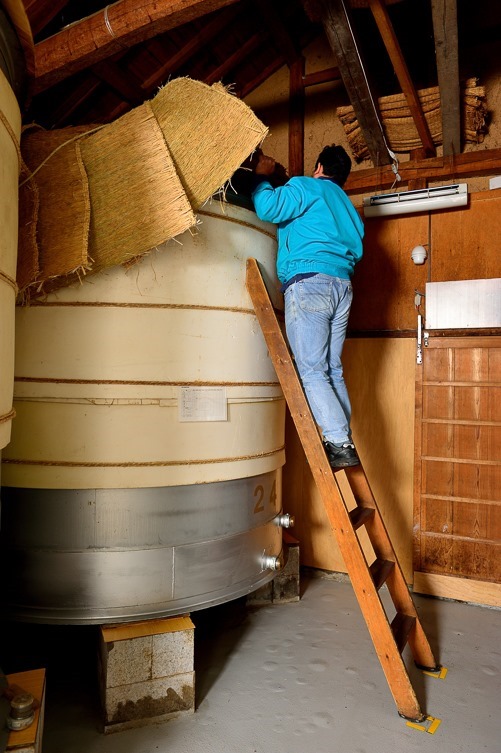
<point>389,639</point>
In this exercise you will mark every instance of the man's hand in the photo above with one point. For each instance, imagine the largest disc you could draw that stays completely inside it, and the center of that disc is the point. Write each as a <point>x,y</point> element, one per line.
<point>265,165</point>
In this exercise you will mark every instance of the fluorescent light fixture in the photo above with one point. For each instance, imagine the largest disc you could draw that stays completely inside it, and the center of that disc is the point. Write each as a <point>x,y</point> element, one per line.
<point>421,200</point>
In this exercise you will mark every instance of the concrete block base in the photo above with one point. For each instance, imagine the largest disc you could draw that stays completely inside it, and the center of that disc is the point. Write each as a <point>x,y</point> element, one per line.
<point>146,672</point>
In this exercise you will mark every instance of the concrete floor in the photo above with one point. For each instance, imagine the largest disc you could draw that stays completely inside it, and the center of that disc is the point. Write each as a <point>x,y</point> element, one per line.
<point>287,678</point>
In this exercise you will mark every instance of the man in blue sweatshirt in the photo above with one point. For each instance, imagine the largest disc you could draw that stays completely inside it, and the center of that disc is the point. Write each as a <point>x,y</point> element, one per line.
<point>319,242</point>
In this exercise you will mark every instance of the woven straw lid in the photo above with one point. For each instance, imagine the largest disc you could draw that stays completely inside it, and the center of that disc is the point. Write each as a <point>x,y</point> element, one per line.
<point>137,200</point>
<point>210,132</point>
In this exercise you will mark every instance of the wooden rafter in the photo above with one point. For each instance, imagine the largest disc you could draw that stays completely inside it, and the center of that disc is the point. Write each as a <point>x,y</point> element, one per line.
<point>380,13</point>
<point>445,30</point>
<point>338,29</point>
<point>121,24</point>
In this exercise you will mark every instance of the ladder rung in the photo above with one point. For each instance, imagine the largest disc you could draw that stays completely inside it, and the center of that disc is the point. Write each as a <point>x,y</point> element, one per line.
<point>380,570</point>
<point>401,626</point>
<point>360,515</point>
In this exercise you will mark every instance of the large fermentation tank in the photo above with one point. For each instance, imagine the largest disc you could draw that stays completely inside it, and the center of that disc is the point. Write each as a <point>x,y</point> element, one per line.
<point>144,473</point>
<point>10,131</point>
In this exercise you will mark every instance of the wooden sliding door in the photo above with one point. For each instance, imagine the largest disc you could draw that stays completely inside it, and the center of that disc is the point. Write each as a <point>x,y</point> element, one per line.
<point>457,511</point>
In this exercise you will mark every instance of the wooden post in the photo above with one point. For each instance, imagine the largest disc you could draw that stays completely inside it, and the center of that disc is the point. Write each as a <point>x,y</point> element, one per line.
<point>296,118</point>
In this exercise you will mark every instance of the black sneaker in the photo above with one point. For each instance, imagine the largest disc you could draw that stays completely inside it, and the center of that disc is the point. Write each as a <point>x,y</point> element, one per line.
<point>341,457</point>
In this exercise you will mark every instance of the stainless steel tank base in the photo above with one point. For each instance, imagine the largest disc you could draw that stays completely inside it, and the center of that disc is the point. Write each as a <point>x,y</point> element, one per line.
<point>94,556</point>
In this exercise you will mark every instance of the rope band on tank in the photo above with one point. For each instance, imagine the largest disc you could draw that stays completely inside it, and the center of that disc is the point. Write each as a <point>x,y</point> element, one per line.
<point>7,416</point>
<point>8,128</point>
<point>146,464</point>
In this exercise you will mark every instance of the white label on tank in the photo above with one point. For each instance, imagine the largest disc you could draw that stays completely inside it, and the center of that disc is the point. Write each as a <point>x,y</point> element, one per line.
<point>203,404</point>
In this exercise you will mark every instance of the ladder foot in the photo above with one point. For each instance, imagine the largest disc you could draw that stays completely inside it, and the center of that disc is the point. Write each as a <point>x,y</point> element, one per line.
<point>437,668</point>
<point>419,718</point>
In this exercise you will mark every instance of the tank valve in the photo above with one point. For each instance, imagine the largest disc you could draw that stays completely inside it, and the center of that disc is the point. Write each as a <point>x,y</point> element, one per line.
<point>22,712</point>
<point>269,562</point>
<point>284,520</point>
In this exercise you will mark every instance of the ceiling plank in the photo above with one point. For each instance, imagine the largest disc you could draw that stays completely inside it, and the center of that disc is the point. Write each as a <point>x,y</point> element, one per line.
<point>445,30</point>
<point>122,24</point>
<point>250,45</point>
<point>486,162</point>
<point>382,18</point>
<point>61,115</point>
<point>41,14</point>
<point>262,75</point>
<point>338,29</point>
<point>196,43</point>
<point>280,35</point>
<point>126,86</point>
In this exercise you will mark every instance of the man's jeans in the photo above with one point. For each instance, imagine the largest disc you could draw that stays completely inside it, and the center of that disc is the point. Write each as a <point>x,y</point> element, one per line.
<point>316,317</point>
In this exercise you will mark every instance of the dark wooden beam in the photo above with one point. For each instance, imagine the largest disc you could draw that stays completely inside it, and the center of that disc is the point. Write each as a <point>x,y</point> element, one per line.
<point>296,118</point>
<point>445,30</point>
<point>394,51</point>
<point>121,24</point>
<point>485,162</point>
<point>338,29</point>
<point>327,76</point>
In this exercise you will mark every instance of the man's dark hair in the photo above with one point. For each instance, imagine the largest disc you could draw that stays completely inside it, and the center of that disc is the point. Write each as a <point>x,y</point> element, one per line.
<point>335,162</point>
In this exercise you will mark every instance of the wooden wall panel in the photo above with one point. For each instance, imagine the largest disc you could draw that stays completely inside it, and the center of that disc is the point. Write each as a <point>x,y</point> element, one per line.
<point>465,242</point>
<point>461,518</point>
<point>462,244</point>
<point>385,279</point>
<point>458,471</point>
<point>448,555</point>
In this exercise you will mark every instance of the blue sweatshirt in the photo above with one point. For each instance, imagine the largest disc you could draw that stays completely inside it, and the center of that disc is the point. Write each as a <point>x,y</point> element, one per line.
<point>319,229</point>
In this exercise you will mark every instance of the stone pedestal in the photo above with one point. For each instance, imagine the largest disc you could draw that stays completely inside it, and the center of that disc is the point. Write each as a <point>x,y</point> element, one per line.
<point>146,672</point>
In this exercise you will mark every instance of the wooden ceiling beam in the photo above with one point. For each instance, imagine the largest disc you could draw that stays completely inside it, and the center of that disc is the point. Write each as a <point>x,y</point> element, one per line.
<point>121,24</point>
<point>327,76</point>
<point>390,41</point>
<point>486,162</point>
<point>445,31</point>
<point>338,29</point>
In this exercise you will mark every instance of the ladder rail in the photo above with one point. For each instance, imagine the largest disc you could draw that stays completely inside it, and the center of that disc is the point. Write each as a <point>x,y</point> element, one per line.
<point>397,585</point>
<point>388,646</point>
